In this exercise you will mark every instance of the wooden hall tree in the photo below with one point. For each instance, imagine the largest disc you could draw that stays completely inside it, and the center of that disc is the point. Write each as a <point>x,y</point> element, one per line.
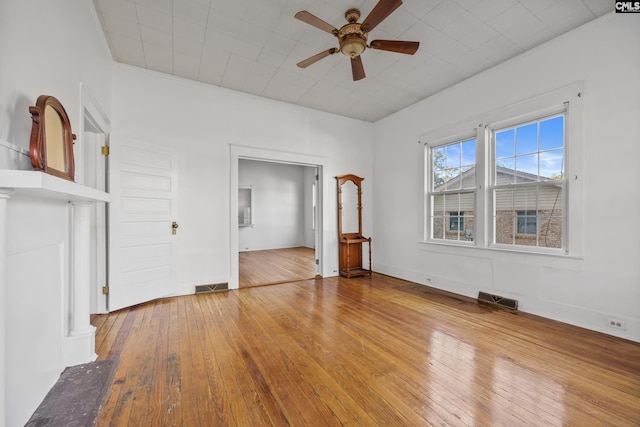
<point>350,238</point>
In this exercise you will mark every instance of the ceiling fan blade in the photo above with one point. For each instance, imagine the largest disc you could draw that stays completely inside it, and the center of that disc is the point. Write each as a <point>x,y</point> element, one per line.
<point>317,57</point>
<point>380,11</point>
<point>396,46</point>
<point>357,68</point>
<point>310,19</point>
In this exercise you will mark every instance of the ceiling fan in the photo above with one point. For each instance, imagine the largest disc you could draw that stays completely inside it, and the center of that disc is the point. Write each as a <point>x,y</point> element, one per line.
<point>352,37</point>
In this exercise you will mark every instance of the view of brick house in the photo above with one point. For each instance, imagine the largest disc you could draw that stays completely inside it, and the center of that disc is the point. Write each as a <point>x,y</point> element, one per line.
<point>528,216</point>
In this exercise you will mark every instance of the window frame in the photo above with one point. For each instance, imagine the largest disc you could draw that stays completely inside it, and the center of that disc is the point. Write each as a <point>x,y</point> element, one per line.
<point>430,187</point>
<point>568,100</point>
<point>523,120</point>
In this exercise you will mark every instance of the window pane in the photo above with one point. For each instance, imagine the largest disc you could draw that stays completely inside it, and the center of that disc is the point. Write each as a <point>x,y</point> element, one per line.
<point>504,232</point>
<point>468,177</point>
<point>527,168</point>
<point>550,235</point>
<point>527,139</point>
<point>439,176</point>
<point>505,143</point>
<point>550,200</point>
<point>447,179</point>
<point>503,201</point>
<point>505,171</point>
<point>452,155</point>
<point>438,208</point>
<point>454,165</point>
<point>552,133</point>
<point>438,204</point>
<point>438,227</point>
<point>469,153</point>
<point>467,203</point>
<point>525,199</point>
<point>552,165</point>
<point>467,208</point>
<point>469,231</point>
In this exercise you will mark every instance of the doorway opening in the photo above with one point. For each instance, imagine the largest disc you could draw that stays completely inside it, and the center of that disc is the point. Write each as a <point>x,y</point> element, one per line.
<point>276,217</point>
<point>277,213</point>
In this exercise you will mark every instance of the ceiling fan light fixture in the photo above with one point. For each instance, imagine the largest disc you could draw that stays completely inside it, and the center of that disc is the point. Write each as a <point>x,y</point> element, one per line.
<point>352,46</point>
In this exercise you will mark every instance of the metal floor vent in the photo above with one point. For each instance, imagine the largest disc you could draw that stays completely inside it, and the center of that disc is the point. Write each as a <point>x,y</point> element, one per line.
<point>207,289</point>
<point>497,300</point>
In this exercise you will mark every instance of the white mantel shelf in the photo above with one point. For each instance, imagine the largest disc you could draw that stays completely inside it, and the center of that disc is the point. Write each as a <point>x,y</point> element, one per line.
<point>40,184</point>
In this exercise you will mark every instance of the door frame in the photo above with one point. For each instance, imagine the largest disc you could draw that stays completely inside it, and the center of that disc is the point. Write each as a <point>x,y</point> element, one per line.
<point>92,112</point>
<point>251,153</point>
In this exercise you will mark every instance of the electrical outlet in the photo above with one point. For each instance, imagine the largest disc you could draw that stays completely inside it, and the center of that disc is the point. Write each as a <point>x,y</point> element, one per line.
<point>616,323</point>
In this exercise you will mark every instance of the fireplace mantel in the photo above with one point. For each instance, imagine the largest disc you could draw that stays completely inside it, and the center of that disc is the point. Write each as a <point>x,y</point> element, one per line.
<point>42,185</point>
<point>68,257</point>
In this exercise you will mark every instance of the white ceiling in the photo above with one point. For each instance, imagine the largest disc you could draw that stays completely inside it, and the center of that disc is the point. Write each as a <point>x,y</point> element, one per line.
<point>253,45</point>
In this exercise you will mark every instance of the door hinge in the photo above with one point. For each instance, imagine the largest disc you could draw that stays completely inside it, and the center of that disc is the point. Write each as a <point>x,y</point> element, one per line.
<point>105,290</point>
<point>105,150</point>
<point>317,262</point>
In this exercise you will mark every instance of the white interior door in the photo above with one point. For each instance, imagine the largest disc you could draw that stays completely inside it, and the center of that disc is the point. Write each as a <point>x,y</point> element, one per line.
<point>142,246</point>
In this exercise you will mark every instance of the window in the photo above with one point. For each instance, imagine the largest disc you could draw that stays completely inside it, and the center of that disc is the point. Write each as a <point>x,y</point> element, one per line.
<point>527,222</point>
<point>452,195</point>
<point>504,184</point>
<point>528,183</point>
<point>456,221</point>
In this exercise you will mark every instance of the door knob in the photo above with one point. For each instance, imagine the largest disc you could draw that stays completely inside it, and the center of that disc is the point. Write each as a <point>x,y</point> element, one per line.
<point>174,227</point>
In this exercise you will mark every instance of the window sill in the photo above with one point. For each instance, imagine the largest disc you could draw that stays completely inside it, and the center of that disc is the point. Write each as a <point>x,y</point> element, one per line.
<point>556,259</point>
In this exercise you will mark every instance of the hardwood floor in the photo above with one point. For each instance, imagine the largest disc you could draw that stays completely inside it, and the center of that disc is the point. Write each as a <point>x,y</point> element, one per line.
<point>360,352</point>
<point>269,267</point>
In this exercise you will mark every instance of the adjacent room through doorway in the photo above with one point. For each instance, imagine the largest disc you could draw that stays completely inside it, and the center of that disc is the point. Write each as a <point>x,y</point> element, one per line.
<point>277,213</point>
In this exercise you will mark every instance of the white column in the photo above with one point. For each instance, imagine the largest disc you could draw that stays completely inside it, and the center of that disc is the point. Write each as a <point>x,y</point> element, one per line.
<point>5,194</point>
<point>80,292</point>
<point>80,344</point>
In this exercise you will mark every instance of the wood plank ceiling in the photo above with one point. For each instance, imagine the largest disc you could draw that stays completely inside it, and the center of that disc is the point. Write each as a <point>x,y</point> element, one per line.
<point>252,46</point>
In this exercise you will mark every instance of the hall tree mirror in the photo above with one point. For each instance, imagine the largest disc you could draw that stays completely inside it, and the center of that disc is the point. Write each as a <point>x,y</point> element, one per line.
<point>350,238</point>
<point>350,208</point>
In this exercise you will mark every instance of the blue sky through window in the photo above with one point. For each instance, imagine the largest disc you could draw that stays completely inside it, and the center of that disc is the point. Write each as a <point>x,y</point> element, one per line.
<point>533,148</point>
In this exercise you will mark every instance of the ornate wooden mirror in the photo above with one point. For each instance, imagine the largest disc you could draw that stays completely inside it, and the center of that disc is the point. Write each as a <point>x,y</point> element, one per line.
<point>51,144</point>
<point>350,238</point>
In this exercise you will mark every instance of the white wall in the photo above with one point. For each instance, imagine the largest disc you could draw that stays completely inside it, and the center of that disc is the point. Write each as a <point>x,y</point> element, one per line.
<point>46,48</point>
<point>206,124</point>
<point>278,205</point>
<point>604,280</point>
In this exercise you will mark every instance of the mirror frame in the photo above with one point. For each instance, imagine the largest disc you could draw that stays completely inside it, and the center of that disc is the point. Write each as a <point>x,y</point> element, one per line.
<point>358,182</point>
<point>41,143</point>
